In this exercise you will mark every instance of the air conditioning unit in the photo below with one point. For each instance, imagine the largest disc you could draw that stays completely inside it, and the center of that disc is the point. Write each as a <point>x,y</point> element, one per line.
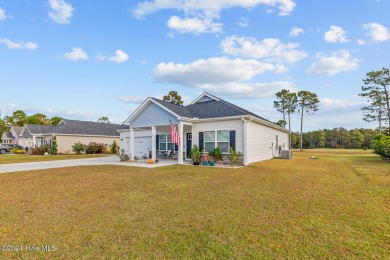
<point>286,154</point>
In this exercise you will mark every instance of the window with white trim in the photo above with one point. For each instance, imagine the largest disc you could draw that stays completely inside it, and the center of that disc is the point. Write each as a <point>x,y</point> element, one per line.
<point>165,143</point>
<point>213,139</point>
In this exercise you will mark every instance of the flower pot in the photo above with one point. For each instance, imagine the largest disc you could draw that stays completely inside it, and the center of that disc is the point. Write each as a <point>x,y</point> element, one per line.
<point>196,163</point>
<point>212,163</point>
<point>206,163</point>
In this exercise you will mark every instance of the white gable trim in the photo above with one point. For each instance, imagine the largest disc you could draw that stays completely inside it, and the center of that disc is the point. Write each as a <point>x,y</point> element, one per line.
<point>204,94</point>
<point>23,130</point>
<point>142,107</point>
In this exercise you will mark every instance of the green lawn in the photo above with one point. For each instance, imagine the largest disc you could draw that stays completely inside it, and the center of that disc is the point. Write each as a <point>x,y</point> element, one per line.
<point>19,158</point>
<point>334,207</point>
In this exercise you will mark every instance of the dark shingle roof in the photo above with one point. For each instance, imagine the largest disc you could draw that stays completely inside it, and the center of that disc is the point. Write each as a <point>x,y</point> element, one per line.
<point>8,135</point>
<point>17,129</point>
<point>180,110</point>
<point>75,127</point>
<point>88,128</point>
<point>207,109</point>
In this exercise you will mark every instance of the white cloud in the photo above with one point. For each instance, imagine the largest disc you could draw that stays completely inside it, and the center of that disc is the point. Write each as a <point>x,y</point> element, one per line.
<point>131,100</point>
<point>243,22</point>
<point>119,57</point>
<point>194,25</point>
<point>200,14</point>
<point>223,76</point>
<point>19,45</point>
<point>271,49</point>
<point>208,7</point>
<point>335,103</point>
<point>377,32</point>
<point>340,61</point>
<point>336,34</point>
<point>296,31</point>
<point>76,54</point>
<point>361,42</point>
<point>2,14</point>
<point>60,12</point>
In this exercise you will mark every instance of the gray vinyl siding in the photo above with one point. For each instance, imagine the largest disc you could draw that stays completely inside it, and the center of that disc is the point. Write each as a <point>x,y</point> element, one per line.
<point>231,125</point>
<point>153,115</point>
<point>260,138</point>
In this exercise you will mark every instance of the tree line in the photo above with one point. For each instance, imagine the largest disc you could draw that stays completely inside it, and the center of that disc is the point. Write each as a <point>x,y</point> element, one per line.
<point>335,138</point>
<point>375,90</point>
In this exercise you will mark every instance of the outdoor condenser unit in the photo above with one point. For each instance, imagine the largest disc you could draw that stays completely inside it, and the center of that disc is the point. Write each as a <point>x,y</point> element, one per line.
<point>286,154</point>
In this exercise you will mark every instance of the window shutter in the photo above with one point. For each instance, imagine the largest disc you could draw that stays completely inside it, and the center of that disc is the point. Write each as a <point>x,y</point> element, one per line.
<point>176,147</point>
<point>157,142</point>
<point>201,141</point>
<point>232,140</point>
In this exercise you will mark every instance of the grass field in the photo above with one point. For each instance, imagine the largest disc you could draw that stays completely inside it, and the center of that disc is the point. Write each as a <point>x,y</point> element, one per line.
<point>19,158</point>
<point>334,207</point>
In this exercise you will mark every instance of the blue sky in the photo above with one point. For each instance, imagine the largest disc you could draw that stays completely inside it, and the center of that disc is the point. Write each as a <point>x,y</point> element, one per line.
<point>87,59</point>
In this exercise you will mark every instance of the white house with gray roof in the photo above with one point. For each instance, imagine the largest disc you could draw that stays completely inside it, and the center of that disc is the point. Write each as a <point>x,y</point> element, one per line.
<point>209,122</point>
<point>12,136</point>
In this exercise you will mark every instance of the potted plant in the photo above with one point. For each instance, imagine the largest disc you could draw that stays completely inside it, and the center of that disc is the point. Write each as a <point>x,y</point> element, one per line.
<point>195,154</point>
<point>215,156</point>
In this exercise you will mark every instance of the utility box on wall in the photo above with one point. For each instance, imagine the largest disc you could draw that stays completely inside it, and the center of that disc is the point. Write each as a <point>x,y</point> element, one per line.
<point>286,154</point>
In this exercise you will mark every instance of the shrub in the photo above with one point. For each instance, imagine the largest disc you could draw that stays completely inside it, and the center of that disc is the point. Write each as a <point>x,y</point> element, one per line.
<point>14,150</point>
<point>21,151</point>
<point>216,154</point>
<point>381,146</point>
<point>38,150</point>
<point>234,156</point>
<point>94,148</point>
<point>124,157</point>
<point>54,146</point>
<point>79,148</point>
<point>114,147</point>
<point>195,153</point>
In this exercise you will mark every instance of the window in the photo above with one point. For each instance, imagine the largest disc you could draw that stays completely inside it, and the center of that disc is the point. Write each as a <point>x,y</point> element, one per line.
<point>214,139</point>
<point>165,143</point>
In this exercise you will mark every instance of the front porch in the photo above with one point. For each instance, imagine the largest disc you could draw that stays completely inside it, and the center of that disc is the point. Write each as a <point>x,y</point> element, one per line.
<point>155,142</point>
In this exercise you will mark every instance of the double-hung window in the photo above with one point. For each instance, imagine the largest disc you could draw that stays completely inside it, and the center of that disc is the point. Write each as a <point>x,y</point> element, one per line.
<point>165,143</point>
<point>213,139</point>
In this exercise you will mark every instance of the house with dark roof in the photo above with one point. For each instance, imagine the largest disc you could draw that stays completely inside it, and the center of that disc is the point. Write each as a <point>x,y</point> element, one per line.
<point>68,132</point>
<point>12,137</point>
<point>209,122</point>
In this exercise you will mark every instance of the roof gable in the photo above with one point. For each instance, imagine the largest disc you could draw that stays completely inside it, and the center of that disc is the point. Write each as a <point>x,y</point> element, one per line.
<point>204,97</point>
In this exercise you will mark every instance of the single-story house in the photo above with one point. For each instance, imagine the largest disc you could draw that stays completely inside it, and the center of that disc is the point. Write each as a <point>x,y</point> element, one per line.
<point>68,132</point>
<point>209,122</point>
<point>12,137</point>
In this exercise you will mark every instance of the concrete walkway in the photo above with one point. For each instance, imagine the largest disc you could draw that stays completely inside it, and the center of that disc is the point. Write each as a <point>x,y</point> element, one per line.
<point>110,160</point>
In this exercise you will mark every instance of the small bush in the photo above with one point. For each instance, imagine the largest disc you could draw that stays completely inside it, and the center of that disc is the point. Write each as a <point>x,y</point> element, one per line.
<point>95,148</point>
<point>79,148</point>
<point>38,150</point>
<point>381,146</point>
<point>234,156</point>
<point>114,147</point>
<point>21,151</point>
<point>14,150</point>
<point>54,146</point>
<point>124,157</point>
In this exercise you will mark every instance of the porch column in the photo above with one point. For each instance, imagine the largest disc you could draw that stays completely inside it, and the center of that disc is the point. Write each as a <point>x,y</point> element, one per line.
<point>33,144</point>
<point>180,155</point>
<point>131,143</point>
<point>153,143</point>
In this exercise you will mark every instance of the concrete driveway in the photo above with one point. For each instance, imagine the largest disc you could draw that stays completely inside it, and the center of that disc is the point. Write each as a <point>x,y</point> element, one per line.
<point>110,160</point>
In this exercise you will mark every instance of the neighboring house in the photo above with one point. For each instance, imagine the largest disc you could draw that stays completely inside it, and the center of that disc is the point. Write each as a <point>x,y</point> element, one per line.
<point>208,122</point>
<point>12,137</point>
<point>69,132</point>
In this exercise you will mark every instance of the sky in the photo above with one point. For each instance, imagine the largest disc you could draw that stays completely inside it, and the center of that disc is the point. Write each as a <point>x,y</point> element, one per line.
<point>86,59</point>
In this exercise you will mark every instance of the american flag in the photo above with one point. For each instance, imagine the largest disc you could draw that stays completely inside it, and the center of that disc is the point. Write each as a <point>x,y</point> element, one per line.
<point>175,135</point>
<point>14,140</point>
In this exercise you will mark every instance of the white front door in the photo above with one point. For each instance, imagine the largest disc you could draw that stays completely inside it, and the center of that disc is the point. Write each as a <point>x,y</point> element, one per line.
<point>142,146</point>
